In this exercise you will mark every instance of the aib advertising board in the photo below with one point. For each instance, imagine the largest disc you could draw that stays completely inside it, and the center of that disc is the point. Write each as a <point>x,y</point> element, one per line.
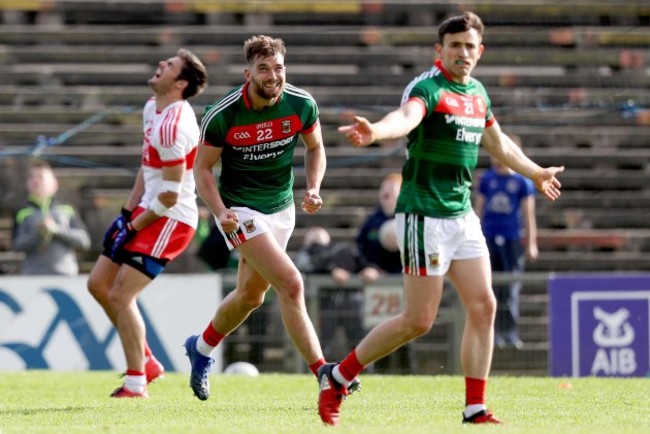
<point>599,325</point>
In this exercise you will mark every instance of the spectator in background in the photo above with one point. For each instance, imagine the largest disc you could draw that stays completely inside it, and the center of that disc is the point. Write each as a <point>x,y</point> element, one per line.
<point>377,243</point>
<point>47,231</point>
<point>505,203</point>
<point>203,228</point>
<point>385,255</point>
<point>339,305</point>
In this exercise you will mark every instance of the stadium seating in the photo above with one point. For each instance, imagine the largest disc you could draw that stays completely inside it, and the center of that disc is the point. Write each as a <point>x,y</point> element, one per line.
<point>569,78</point>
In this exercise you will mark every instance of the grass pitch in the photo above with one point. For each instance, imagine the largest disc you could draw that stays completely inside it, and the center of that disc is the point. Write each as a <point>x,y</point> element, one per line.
<point>62,402</point>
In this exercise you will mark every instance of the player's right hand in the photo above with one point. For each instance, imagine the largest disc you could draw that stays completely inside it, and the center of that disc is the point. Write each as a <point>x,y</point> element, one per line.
<point>360,133</point>
<point>229,221</point>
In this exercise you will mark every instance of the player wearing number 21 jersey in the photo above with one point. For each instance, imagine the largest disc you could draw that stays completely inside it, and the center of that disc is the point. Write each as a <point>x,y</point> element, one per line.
<point>445,115</point>
<point>445,143</point>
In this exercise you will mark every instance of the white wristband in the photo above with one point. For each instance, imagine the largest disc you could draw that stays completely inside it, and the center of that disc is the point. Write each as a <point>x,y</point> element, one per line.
<point>158,208</point>
<point>173,186</point>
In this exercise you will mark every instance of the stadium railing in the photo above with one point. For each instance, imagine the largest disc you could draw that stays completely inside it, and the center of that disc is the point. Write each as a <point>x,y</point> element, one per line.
<point>437,352</point>
<point>560,75</point>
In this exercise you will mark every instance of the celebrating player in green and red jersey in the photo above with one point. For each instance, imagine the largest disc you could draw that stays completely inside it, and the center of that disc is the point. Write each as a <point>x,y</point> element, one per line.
<point>257,146</point>
<point>445,115</point>
<point>253,131</point>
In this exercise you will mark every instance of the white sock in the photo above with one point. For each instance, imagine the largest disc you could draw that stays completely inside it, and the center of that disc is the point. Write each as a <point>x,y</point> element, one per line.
<point>471,410</point>
<point>204,348</point>
<point>135,383</point>
<point>339,377</point>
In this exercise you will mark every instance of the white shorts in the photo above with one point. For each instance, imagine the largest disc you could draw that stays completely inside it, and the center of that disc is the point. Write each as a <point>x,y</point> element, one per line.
<point>253,223</point>
<point>428,245</point>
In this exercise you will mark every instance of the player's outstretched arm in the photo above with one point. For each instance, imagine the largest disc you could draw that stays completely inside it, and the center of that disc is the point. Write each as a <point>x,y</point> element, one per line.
<point>360,133</point>
<point>394,125</point>
<point>546,182</point>
<point>500,146</point>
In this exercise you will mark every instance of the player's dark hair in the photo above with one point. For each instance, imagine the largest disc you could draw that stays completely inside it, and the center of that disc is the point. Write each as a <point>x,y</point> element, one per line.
<point>194,72</point>
<point>459,24</point>
<point>263,46</point>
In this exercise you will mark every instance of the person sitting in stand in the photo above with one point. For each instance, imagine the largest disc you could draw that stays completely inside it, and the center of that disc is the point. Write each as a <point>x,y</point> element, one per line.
<point>340,305</point>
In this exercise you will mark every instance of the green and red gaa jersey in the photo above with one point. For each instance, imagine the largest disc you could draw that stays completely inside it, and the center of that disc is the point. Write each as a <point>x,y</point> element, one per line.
<point>442,151</point>
<point>258,146</point>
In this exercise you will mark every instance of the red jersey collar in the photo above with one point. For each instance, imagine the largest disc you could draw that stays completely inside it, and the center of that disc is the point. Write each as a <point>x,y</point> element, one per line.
<point>438,64</point>
<point>247,101</point>
<point>244,91</point>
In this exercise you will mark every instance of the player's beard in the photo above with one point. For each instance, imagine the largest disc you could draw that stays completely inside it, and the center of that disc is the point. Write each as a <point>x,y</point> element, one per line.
<point>265,92</point>
<point>158,86</point>
<point>161,84</point>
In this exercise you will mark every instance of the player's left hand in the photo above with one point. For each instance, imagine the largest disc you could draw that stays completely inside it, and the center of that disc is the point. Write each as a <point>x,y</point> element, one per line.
<point>546,182</point>
<point>311,202</point>
<point>118,223</point>
<point>123,235</point>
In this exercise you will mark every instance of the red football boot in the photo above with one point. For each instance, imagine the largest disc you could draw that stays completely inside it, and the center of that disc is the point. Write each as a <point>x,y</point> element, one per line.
<point>483,416</point>
<point>123,392</point>
<point>331,395</point>
<point>153,369</point>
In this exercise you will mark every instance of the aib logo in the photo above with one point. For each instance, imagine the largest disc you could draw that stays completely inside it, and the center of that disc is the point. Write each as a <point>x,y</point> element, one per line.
<point>613,335</point>
<point>68,313</point>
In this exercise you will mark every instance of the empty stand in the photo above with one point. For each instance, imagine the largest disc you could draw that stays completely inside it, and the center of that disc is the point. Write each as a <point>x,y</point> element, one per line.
<point>570,78</point>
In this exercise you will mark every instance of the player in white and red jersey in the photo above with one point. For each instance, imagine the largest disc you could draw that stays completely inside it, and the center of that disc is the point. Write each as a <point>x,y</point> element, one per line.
<point>159,218</point>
